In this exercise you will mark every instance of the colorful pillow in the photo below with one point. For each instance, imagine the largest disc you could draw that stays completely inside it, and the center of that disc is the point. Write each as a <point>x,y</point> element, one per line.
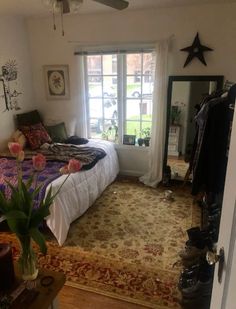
<point>36,135</point>
<point>29,118</point>
<point>18,137</point>
<point>57,132</point>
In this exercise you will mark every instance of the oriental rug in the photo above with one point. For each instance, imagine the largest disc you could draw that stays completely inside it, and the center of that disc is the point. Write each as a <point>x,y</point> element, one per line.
<point>126,245</point>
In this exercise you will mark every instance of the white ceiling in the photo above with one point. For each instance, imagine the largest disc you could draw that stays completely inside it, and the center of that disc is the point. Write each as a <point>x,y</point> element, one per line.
<point>36,8</point>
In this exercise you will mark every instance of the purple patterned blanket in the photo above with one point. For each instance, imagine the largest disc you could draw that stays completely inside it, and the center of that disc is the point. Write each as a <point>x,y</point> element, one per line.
<point>8,172</point>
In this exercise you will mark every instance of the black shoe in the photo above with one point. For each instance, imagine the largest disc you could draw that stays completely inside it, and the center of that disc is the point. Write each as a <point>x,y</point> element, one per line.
<point>200,289</point>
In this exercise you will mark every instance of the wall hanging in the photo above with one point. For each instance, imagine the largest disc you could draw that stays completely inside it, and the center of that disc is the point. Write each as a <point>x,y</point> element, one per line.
<point>57,82</point>
<point>196,50</point>
<point>8,86</point>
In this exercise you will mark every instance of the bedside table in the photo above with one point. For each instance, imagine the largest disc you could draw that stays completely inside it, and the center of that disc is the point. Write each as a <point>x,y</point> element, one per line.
<point>43,294</point>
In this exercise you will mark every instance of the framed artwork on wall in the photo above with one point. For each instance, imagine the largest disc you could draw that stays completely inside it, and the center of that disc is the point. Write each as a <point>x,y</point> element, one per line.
<point>57,82</point>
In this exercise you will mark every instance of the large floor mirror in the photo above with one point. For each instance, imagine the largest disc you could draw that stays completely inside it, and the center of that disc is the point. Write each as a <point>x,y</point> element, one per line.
<point>184,95</point>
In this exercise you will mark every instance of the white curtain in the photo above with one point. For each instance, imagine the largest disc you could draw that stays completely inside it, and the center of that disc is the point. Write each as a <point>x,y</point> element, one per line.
<point>157,143</point>
<point>81,119</point>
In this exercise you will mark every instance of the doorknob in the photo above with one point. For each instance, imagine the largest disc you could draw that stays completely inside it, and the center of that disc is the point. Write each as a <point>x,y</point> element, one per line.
<point>212,258</point>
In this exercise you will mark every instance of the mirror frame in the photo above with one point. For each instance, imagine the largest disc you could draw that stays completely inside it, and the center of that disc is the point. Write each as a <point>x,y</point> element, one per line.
<point>172,78</point>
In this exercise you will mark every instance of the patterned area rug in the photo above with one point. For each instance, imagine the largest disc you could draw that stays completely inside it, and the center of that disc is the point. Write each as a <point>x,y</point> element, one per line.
<point>126,245</point>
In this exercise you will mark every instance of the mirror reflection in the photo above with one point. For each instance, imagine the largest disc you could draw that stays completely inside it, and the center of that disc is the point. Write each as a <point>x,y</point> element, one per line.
<point>184,98</point>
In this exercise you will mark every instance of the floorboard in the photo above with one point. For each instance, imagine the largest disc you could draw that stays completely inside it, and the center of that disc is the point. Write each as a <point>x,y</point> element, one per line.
<point>73,298</point>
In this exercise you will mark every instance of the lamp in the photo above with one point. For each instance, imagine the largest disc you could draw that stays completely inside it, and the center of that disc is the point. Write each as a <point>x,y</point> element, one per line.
<point>57,6</point>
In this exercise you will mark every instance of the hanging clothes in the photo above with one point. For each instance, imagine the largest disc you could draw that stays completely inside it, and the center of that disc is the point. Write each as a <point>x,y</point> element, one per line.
<point>210,157</point>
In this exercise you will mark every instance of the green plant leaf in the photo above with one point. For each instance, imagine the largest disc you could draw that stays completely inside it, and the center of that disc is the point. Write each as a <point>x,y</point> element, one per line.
<point>15,215</point>
<point>38,216</point>
<point>39,239</point>
<point>17,226</point>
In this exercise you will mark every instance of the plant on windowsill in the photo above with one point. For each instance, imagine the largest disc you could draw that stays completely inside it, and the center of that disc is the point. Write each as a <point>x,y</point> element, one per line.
<point>17,208</point>
<point>146,132</point>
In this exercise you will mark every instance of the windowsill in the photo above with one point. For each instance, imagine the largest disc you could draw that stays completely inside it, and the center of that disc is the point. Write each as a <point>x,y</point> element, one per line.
<point>131,147</point>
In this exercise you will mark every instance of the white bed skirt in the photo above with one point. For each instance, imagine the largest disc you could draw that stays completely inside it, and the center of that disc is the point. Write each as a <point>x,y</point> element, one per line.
<point>81,190</point>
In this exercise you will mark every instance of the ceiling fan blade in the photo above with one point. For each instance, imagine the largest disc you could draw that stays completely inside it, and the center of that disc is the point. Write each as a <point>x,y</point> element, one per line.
<point>115,4</point>
<point>65,6</point>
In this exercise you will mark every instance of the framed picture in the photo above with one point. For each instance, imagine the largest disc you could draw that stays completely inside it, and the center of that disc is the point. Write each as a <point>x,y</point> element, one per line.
<point>57,82</point>
<point>129,139</point>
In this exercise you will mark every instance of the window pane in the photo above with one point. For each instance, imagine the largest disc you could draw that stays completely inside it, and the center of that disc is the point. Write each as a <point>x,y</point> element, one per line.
<point>96,128</point>
<point>146,109</point>
<point>110,130</point>
<point>95,108</point>
<point>132,128</point>
<point>133,64</point>
<point>148,63</point>
<point>95,90</point>
<point>110,108</point>
<point>147,89</point>
<point>133,89</point>
<point>133,109</point>
<point>94,64</point>
<point>109,64</point>
<point>109,87</point>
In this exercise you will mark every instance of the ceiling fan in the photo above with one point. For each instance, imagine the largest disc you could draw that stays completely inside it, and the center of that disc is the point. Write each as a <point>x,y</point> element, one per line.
<point>72,6</point>
<point>68,5</point>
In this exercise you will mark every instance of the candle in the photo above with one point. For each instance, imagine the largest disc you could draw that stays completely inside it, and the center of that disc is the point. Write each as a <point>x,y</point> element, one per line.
<point>7,275</point>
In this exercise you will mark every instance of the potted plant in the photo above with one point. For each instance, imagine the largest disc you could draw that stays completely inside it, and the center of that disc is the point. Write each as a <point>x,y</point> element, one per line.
<point>175,114</point>
<point>18,209</point>
<point>146,132</point>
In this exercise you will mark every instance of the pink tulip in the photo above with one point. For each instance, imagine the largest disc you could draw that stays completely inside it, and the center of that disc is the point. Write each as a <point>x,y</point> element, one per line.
<point>39,162</point>
<point>64,170</point>
<point>15,149</point>
<point>74,166</point>
<point>21,156</point>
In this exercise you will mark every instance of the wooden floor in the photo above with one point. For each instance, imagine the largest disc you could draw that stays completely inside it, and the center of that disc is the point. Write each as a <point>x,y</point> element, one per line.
<point>72,298</point>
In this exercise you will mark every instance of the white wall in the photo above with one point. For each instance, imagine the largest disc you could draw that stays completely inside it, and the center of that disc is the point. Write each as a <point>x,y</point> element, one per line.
<point>14,46</point>
<point>216,25</point>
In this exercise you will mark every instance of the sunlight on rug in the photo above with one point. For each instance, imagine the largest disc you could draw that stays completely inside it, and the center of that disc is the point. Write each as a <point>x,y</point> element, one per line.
<point>126,245</point>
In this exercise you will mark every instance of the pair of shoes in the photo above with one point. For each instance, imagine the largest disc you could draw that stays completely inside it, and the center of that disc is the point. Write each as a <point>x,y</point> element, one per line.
<point>192,252</point>
<point>200,289</point>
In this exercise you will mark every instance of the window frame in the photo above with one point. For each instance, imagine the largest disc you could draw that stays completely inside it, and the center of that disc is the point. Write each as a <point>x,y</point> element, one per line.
<point>121,98</point>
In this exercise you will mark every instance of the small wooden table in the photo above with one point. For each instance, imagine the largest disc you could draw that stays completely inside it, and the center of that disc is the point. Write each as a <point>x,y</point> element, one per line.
<point>45,289</point>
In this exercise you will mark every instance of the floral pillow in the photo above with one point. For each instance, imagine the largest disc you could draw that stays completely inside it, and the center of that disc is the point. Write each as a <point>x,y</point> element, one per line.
<point>36,135</point>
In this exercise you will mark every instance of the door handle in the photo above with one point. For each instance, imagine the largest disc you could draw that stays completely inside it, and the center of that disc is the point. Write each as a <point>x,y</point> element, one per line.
<point>212,258</point>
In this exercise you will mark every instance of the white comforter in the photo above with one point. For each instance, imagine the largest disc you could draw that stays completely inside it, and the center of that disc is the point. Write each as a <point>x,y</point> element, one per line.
<point>81,190</point>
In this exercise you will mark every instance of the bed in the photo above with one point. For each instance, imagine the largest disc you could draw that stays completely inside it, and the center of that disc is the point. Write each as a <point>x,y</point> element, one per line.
<point>80,190</point>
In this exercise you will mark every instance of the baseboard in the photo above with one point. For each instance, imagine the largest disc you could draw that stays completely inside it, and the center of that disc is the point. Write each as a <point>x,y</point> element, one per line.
<point>131,173</point>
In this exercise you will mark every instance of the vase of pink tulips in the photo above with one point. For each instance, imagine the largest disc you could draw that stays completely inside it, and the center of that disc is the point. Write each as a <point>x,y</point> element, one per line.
<point>18,209</point>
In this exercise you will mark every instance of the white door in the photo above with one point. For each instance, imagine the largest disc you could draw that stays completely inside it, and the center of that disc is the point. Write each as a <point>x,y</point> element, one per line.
<point>224,294</point>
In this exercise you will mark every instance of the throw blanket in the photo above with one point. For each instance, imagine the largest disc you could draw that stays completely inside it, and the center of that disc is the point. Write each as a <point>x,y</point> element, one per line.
<point>56,156</point>
<point>88,156</point>
<point>8,172</point>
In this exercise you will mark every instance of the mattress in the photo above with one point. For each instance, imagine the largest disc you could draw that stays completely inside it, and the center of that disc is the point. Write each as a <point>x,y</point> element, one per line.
<point>80,191</point>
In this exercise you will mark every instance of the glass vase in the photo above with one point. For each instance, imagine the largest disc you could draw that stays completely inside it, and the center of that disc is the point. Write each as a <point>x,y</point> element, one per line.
<point>28,259</point>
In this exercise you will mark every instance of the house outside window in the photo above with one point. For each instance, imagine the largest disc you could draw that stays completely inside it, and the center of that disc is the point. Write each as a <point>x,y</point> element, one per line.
<point>120,88</point>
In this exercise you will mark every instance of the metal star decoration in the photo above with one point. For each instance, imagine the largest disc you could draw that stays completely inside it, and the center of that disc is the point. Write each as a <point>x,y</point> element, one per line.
<point>196,50</point>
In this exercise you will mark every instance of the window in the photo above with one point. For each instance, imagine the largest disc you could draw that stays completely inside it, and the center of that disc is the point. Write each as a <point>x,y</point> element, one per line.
<point>120,88</point>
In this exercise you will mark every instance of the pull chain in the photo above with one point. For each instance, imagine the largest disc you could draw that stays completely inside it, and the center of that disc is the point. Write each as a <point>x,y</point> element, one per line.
<point>53,16</point>
<point>62,21</point>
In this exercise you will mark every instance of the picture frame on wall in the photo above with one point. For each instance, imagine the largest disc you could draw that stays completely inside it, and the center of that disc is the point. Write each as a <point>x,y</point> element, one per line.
<point>129,139</point>
<point>57,82</point>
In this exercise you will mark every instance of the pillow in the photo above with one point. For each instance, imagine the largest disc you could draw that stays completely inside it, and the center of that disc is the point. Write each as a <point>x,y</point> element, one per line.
<point>76,140</point>
<point>18,137</point>
<point>57,132</point>
<point>36,135</point>
<point>27,119</point>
